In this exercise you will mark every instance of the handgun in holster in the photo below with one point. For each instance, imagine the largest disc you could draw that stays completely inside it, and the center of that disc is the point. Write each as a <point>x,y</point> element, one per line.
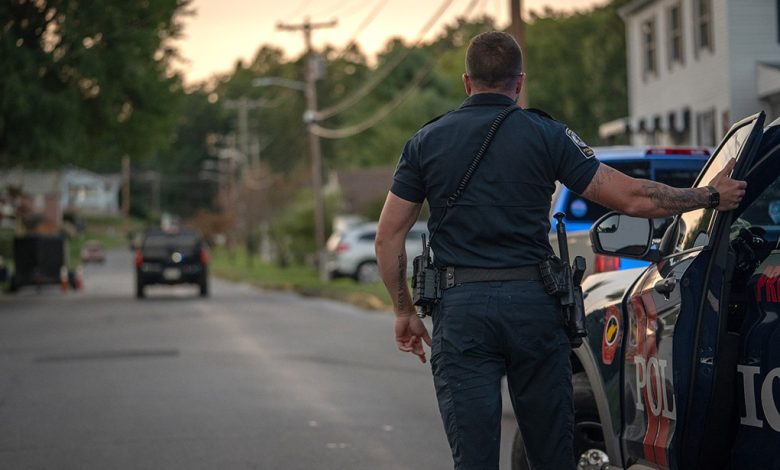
<point>563,281</point>
<point>425,282</point>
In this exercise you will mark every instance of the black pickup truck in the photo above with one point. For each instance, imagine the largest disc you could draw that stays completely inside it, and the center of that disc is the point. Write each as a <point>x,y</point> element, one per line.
<point>681,366</point>
<point>170,257</point>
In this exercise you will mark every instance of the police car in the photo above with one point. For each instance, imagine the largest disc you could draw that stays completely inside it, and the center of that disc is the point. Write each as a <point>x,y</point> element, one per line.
<point>675,166</point>
<point>681,366</point>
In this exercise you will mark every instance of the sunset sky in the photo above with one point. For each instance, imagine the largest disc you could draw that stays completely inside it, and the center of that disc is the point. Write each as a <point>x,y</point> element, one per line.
<point>223,31</point>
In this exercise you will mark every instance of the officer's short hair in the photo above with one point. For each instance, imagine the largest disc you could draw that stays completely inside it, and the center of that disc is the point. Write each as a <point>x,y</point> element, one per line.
<point>493,60</point>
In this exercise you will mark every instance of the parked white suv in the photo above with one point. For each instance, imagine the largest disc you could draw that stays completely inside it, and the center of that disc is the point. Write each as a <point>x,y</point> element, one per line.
<point>351,252</point>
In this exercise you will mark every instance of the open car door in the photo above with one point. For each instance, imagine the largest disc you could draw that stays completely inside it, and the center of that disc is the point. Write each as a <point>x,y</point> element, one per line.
<point>676,350</point>
<point>755,310</point>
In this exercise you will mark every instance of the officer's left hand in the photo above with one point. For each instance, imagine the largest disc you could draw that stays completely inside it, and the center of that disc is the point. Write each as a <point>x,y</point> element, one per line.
<point>410,332</point>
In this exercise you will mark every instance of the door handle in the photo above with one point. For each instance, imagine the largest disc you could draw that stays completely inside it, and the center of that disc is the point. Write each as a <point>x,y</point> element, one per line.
<point>665,286</point>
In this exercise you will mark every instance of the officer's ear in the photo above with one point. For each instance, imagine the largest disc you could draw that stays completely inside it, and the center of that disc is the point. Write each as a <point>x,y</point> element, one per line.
<point>519,83</point>
<point>467,84</point>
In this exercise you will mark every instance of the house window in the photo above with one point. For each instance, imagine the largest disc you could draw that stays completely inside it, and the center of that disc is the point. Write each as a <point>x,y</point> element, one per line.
<point>705,128</point>
<point>676,44</point>
<point>649,48</point>
<point>702,25</point>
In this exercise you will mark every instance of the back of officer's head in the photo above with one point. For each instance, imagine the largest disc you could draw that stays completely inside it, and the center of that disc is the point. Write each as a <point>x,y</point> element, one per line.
<point>494,60</point>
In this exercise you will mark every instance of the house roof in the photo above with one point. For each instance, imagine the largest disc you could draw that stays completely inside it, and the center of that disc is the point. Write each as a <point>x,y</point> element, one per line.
<point>364,186</point>
<point>632,7</point>
<point>32,182</point>
<point>35,182</point>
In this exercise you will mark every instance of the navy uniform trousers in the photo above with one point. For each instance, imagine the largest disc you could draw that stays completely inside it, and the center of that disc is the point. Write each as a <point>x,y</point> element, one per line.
<point>483,330</point>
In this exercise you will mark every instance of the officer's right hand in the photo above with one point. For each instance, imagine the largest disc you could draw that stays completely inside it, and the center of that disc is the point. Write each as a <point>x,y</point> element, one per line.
<point>731,191</point>
<point>410,332</point>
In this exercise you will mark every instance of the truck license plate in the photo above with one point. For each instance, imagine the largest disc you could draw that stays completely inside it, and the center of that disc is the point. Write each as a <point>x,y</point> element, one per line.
<point>171,274</point>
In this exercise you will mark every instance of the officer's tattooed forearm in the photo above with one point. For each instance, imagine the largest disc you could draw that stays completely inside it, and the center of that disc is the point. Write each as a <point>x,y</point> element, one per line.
<point>676,200</point>
<point>401,281</point>
<point>665,200</point>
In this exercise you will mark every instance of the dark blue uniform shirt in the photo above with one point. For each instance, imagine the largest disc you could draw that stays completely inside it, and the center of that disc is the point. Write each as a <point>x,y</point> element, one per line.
<point>502,219</point>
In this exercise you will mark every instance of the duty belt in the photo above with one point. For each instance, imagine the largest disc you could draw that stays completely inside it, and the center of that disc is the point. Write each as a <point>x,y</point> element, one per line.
<point>452,276</point>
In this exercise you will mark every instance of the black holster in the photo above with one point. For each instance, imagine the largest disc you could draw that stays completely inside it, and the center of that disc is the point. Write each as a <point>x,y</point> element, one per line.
<point>426,283</point>
<point>560,282</point>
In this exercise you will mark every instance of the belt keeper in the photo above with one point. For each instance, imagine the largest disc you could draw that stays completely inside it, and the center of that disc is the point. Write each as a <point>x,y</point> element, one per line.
<point>449,276</point>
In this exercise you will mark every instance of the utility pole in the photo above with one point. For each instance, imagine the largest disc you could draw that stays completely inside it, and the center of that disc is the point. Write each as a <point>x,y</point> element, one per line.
<point>243,105</point>
<point>517,29</point>
<point>125,192</point>
<point>314,140</point>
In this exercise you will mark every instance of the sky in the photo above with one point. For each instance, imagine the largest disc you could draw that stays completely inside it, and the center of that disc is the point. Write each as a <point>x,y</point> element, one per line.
<point>224,31</point>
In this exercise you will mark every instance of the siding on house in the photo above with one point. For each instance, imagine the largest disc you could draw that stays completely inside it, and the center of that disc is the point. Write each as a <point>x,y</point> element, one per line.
<point>712,87</point>
<point>753,27</point>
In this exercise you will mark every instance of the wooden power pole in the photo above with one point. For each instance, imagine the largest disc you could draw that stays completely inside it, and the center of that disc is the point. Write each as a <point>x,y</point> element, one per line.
<point>517,29</point>
<point>312,72</point>
<point>125,193</point>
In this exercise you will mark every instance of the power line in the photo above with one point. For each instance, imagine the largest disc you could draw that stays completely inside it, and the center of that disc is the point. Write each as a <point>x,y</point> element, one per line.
<point>379,115</point>
<point>300,9</point>
<point>470,7</point>
<point>382,73</point>
<point>388,107</point>
<point>483,7</point>
<point>366,21</point>
<point>340,6</point>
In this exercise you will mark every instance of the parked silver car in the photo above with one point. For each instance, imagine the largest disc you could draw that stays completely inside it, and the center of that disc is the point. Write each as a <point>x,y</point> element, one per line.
<point>351,252</point>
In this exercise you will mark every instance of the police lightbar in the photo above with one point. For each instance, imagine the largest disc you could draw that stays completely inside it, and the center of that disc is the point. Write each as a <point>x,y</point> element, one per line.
<point>698,151</point>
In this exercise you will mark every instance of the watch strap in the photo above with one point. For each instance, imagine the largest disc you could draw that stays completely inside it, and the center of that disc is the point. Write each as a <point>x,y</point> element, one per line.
<point>714,200</point>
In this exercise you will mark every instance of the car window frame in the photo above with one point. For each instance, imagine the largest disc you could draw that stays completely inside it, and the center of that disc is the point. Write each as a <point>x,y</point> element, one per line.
<point>756,121</point>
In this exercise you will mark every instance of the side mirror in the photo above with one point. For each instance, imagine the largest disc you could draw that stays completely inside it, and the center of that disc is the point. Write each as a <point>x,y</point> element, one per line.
<point>624,236</point>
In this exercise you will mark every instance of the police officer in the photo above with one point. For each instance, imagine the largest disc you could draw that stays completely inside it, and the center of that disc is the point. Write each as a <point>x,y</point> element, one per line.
<point>495,318</point>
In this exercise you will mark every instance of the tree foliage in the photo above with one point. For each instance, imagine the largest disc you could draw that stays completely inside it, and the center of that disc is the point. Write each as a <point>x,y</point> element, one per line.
<point>576,65</point>
<point>87,82</point>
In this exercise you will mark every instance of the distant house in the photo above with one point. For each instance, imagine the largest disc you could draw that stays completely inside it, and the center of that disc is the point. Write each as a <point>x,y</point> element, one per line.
<point>362,188</point>
<point>90,193</point>
<point>49,194</point>
<point>697,66</point>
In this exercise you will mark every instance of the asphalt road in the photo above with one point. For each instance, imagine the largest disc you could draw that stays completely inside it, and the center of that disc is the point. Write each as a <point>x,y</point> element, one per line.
<point>244,379</point>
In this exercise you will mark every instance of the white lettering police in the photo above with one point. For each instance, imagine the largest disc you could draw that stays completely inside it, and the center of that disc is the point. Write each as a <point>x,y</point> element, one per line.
<point>765,399</point>
<point>651,375</point>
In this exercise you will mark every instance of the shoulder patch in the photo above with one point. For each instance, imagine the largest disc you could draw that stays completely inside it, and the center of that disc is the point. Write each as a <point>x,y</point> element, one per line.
<point>539,112</point>
<point>584,148</point>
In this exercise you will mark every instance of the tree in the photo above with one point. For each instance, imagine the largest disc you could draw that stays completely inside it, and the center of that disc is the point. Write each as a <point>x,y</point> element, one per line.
<point>87,82</point>
<point>576,65</point>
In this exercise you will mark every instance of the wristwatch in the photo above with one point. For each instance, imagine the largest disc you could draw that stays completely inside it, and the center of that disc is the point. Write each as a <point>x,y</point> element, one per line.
<point>714,198</point>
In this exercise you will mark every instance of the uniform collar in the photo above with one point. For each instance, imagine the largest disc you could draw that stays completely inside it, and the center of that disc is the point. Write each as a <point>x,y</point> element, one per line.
<point>487,99</point>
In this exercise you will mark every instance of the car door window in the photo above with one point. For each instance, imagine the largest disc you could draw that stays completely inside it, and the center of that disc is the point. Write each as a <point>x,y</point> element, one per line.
<point>677,177</point>
<point>695,227</point>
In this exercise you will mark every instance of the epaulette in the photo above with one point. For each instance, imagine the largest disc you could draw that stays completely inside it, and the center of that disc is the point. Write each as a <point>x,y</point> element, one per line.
<point>539,112</point>
<point>435,119</point>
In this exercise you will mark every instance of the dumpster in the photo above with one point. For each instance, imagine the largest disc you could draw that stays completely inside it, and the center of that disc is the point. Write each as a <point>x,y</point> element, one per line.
<point>39,260</point>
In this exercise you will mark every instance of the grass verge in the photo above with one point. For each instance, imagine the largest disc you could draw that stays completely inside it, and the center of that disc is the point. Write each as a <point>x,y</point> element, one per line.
<point>235,266</point>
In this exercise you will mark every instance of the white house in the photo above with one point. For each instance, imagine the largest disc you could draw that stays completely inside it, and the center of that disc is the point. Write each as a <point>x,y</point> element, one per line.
<point>73,189</point>
<point>88,192</point>
<point>697,66</point>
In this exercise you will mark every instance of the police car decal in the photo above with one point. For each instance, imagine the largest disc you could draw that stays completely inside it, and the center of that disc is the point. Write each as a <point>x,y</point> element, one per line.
<point>609,340</point>
<point>584,148</point>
